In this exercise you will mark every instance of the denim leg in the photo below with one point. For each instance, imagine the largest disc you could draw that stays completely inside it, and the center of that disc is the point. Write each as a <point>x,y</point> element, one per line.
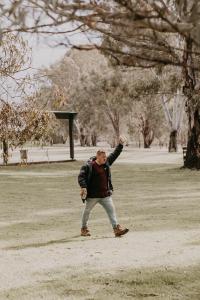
<point>90,203</point>
<point>108,205</point>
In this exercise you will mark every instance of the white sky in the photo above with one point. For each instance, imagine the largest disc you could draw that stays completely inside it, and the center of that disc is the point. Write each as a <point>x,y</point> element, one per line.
<point>43,55</point>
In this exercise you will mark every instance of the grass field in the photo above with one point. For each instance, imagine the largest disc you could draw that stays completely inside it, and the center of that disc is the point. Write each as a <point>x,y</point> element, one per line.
<point>41,209</point>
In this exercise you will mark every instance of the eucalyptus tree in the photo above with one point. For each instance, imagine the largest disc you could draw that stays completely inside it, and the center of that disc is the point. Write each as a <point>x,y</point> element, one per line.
<point>172,100</point>
<point>146,111</point>
<point>67,85</point>
<point>174,109</point>
<point>102,100</point>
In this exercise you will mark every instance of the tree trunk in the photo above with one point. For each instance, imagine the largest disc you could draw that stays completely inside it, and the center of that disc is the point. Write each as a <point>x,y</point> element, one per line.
<point>114,117</point>
<point>192,160</point>
<point>139,141</point>
<point>94,139</point>
<point>148,140</point>
<point>81,132</point>
<point>82,137</point>
<point>148,134</point>
<point>88,140</point>
<point>82,140</point>
<point>173,141</point>
<point>5,152</point>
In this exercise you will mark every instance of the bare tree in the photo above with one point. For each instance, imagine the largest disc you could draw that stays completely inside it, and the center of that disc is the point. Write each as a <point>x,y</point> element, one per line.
<point>146,118</point>
<point>134,33</point>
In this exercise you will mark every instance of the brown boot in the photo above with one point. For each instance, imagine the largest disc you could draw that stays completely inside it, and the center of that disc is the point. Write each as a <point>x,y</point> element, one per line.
<point>118,230</point>
<point>85,231</point>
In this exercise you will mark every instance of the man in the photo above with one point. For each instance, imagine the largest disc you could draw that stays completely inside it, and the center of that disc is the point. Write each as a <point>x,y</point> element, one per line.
<point>96,187</point>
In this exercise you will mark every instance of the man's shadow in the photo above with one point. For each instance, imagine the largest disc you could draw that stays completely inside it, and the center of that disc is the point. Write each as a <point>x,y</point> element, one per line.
<point>73,239</point>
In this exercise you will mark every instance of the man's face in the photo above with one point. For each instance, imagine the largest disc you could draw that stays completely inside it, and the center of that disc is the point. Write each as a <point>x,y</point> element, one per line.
<point>101,158</point>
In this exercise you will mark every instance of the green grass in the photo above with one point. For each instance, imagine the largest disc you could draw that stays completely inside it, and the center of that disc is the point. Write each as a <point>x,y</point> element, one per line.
<point>41,206</point>
<point>149,284</point>
<point>42,201</point>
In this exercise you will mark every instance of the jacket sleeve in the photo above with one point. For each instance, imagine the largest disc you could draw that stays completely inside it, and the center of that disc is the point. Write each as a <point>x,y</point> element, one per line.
<point>114,155</point>
<point>82,177</point>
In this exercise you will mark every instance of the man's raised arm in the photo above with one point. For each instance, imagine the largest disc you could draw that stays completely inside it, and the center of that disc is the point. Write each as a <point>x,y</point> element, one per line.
<point>114,155</point>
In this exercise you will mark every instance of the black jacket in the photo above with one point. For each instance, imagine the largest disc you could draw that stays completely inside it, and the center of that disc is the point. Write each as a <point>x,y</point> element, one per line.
<point>86,170</point>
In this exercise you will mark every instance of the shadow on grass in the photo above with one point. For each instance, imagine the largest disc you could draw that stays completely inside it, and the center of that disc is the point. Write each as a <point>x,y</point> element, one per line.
<point>43,244</point>
<point>54,242</point>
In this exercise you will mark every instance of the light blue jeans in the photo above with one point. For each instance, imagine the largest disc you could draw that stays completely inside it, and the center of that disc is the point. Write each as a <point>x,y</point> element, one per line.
<point>107,204</point>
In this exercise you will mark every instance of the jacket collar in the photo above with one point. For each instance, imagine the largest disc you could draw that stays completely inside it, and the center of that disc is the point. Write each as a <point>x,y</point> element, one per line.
<point>93,158</point>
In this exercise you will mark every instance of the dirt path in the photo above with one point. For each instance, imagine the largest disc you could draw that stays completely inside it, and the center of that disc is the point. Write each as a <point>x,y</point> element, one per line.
<point>27,265</point>
<point>130,154</point>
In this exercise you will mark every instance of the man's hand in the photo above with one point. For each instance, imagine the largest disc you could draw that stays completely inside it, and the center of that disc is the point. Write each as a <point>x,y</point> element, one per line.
<point>83,192</point>
<point>122,140</point>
